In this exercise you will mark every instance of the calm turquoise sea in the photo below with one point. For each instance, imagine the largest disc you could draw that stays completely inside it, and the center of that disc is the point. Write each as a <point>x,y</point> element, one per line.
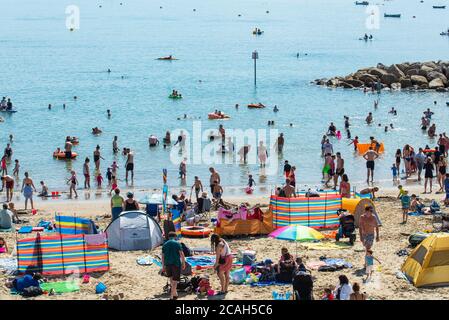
<point>42,62</point>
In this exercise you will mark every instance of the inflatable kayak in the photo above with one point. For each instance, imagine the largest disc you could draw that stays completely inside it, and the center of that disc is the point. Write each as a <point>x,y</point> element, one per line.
<point>386,15</point>
<point>9,111</point>
<point>444,34</point>
<point>361,3</point>
<point>166,59</point>
<point>257,33</point>
<point>195,232</point>
<point>256,106</point>
<point>439,7</point>
<point>174,97</point>
<point>61,155</point>
<point>214,116</point>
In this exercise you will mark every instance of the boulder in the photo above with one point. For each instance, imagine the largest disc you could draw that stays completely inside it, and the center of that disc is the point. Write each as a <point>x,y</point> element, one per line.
<point>436,75</point>
<point>426,68</point>
<point>389,78</point>
<point>345,85</point>
<point>332,82</point>
<point>419,80</point>
<point>436,83</point>
<point>412,72</point>
<point>403,66</point>
<point>377,72</point>
<point>396,86</point>
<point>430,64</point>
<point>368,78</point>
<point>381,66</point>
<point>424,86</point>
<point>441,89</point>
<point>355,83</point>
<point>394,69</point>
<point>406,83</point>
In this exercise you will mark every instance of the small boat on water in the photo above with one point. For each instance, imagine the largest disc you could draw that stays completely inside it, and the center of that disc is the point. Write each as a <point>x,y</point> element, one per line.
<point>389,15</point>
<point>439,7</point>
<point>361,3</point>
<point>256,106</point>
<point>175,97</point>
<point>9,111</point>
<point>216,116</point>
<point>169,58</point>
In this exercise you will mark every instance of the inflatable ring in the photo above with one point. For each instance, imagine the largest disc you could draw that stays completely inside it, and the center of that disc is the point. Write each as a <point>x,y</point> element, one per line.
<point>61,155</point>
<point>195,232</point>
<point>175,97</point>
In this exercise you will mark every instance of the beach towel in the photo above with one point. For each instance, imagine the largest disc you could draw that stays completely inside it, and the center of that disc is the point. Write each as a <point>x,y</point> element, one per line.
<point>148,261</point>
<point>25,229</point>
<point>326,245</point>
<point>201,250</point>
<point>267,284</point>
<point>415,214</point>
<point>8,264</point>
<point>61,286</point>
<point>206,262</point>
<point>338,263</point>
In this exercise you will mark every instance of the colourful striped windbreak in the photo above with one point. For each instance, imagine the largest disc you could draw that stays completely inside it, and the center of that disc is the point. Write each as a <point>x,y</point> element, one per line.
<point>60,254</point>
<point>176,217</point>
<point>72,225</point>
<point>314,212</point>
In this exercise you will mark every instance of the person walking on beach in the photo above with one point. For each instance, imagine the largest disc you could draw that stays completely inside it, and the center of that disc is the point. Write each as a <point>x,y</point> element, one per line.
<point>398,157</point>
<point>370,156</point>
<point>420,159</point>
<point>8,183</point>
<point>117,203</point>
<point>97,157</point>
<point>214,176</point>
<point>183,169</point>
<point>223,261</point>
<point>368,228</point>
<point>340,169</point>
<point>198,187</point>
<point>428,174</point>
<point>328,147</point>
<point>369,264</point>
<point>86,172</point>
<point>129,164</point>
<point>73,181</point>
<point>173,262</point>
<point>27,190</point>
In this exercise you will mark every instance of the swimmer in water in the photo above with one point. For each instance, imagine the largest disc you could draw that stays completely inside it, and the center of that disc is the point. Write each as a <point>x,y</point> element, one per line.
<point>386,128</point>
<point>236,105</point>
<point>369,118</point>
<point>49,107</point>
<point>391,126</point>
<point>109,70</point>
<point>291,124</point>
<point>63,106</point>
<point>109,113</point>
<point>75,97</point>
<point>275,108</point>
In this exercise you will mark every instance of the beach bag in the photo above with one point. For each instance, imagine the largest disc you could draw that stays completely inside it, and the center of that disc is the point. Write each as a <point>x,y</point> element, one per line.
<point>248,259</point>
<point>186,250</point>
<point>417,238</point>
<point>32,292</point>
<point>195,282</point>
<point>238,276</point>
<point>434,206</point>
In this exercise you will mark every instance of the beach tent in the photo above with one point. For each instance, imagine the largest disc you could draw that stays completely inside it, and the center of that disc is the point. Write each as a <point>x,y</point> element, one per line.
<point>428,263</point>
<point>63,254</point>
<point>134,230</point>
<point>74,225</point>
<point>314,212</point>
<point>357,207</point>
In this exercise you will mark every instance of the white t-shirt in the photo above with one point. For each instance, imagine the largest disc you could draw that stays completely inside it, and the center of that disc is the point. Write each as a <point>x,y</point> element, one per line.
<point>5,219</point>
<point>345,292</point>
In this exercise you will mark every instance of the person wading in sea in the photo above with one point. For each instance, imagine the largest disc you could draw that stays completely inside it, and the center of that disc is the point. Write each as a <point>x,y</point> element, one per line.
<point>370,156</point>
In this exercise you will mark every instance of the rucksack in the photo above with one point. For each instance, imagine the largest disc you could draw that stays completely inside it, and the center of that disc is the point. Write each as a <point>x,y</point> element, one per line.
<point>186,250</point>
<point>194,282</point>
<point>32,292</point>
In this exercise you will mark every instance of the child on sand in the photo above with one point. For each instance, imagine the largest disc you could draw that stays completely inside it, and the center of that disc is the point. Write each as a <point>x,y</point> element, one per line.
<point>369,264</point>
<point>416,205</point>
<point>328,295</point>
<point>99,179</point>
<point>394,171</point>
<point>401,191</point>
<point>405,202</point>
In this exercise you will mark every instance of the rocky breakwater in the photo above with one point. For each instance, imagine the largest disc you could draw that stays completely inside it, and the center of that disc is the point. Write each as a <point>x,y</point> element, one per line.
<point>406,76</point>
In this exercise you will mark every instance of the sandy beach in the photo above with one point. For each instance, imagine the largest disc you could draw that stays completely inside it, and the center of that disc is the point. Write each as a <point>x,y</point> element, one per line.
<point>143,282</point>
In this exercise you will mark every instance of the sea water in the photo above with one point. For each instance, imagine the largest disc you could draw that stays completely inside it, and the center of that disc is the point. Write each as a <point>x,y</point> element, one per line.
<point>42,62</point>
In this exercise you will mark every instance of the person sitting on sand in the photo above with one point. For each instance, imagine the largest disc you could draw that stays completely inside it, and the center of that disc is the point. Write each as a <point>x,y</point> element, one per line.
<point>44,191</point>
<point>356,295</point>
<point>22,283</point>
<point>286,262</point>
<point>3,246</point>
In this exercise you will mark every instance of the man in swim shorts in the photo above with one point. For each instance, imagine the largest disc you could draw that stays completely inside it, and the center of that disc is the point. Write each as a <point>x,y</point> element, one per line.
<point>340,169</point>
<point>130,164</point>
<point>8,182</point>
<point>370,156</point>
<point>369,228</point>
<point>214,176</point>
<point>68,148</point>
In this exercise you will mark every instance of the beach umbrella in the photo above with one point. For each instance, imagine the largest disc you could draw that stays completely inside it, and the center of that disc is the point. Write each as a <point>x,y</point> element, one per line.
<point>297,233</point>
<point>157,198</point>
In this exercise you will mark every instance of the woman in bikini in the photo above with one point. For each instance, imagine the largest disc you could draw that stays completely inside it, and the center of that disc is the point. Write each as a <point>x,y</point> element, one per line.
<point>97,157</point>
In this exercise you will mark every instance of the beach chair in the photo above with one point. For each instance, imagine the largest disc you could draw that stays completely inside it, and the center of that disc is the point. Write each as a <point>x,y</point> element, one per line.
<point>203,208</point>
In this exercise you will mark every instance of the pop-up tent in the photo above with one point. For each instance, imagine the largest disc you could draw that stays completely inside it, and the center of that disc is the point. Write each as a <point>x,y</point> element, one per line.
<point>357,207</point>
<point>134,230</point>
<point>428,263</point>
